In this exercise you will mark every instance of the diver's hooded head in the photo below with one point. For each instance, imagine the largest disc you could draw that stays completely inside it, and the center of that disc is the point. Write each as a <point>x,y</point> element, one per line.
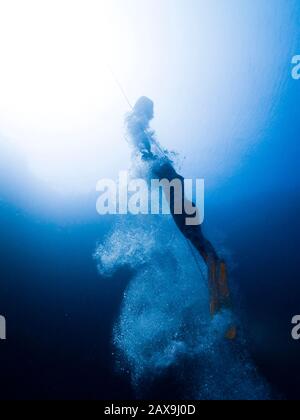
<point>144,109</point>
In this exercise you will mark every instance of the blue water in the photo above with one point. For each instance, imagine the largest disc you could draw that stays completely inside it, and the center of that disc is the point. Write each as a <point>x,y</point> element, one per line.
<point>134,322</point>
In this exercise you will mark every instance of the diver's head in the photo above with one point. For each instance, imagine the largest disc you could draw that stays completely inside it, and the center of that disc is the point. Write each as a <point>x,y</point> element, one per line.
<point>144,108</point>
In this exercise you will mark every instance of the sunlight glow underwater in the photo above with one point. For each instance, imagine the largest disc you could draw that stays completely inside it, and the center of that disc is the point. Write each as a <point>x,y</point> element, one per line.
<point>63,110</point>
<point>57,93</point>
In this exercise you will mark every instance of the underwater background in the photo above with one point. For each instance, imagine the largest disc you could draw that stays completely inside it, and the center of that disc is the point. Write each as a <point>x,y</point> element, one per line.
<point>73,334</point>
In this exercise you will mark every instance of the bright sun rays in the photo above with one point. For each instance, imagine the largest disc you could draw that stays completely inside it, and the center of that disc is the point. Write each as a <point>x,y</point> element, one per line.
<point>55,80</point>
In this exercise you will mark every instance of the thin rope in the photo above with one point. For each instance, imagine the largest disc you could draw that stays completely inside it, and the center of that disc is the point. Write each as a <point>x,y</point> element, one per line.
<point>118,83</point>
<point>196,259</point>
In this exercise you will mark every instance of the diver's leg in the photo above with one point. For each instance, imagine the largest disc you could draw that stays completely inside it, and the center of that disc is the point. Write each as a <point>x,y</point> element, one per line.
<point>218,279</point>
<point>220,297</point>
<point>218,283</point>
<point>207,252</point>
<point>219,291</point>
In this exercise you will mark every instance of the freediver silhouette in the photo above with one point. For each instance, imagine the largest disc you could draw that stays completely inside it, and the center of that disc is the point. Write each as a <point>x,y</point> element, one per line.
<point>145,145</point>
